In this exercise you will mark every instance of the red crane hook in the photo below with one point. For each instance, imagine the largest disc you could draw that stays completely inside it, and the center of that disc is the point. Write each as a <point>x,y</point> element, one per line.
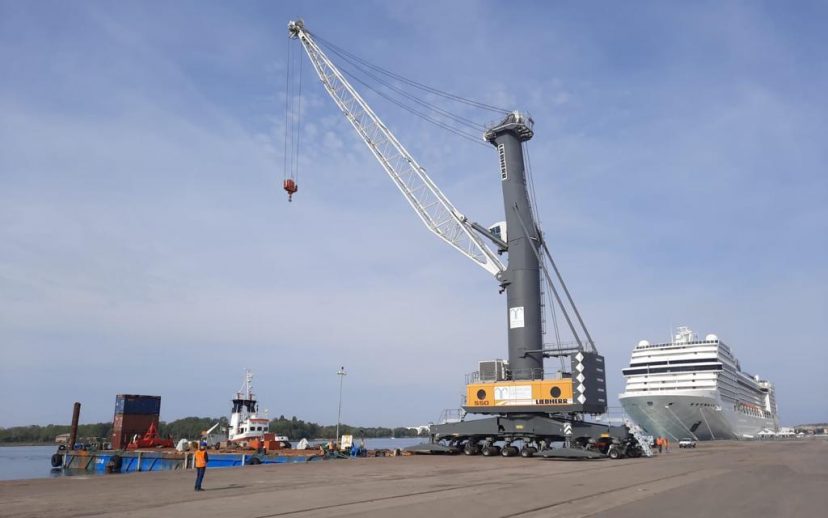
<point>291,187</point>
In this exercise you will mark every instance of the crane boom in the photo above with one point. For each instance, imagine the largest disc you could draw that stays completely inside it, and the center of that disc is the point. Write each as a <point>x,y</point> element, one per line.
<point>430,204</point>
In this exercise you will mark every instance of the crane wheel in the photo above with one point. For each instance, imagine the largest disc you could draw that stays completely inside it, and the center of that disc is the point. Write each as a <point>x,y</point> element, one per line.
<point>491,451</point>
<point>509,451</point>
<point>613,453</point>
<point>471,449</point>
<point>527,451</point>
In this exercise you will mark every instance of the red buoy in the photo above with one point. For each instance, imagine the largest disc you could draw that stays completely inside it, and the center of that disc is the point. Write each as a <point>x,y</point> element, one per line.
<point>291,187</point>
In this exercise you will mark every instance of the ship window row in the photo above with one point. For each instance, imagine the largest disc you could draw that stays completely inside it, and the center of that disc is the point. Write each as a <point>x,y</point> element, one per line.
<point>629,372</point>
<point>673,362</point>
<point>671,385</point>
<point>702,404</point>
<point>650,375</point>
<point>683,344</point>
<point>748,410</point>
<point>701,382</point>
<point>651,388</point>
<point>666,389</point>
<point>695,383</point>
<point>252,429</point>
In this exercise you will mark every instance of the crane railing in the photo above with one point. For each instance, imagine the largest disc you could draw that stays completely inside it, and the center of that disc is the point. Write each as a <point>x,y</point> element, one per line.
<point>430,204</point>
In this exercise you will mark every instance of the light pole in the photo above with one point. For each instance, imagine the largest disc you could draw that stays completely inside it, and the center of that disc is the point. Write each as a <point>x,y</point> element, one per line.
<point>341,373</point>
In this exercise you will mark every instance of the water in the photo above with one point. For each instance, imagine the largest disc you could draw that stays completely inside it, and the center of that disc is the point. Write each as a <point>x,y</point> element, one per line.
<point>22,462</point>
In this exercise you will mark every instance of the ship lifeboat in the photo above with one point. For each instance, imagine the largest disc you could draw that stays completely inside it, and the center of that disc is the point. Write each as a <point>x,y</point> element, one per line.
<point>290,187</point>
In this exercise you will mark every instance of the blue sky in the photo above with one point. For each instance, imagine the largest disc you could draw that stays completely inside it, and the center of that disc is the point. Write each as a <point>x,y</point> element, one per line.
<point>147,246</point>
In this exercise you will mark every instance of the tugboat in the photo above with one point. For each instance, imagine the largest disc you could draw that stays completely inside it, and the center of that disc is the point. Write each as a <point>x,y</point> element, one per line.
<point>245,422</point>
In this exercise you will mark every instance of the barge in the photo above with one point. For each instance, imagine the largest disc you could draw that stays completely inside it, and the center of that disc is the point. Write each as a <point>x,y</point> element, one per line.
<point>128,461</point>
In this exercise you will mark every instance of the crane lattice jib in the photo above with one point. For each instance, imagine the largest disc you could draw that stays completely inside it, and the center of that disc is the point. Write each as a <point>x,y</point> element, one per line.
<point>431,205</point>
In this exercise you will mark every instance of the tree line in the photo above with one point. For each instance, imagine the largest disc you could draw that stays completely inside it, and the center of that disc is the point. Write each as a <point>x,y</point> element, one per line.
<point>191,428</point>
<point>296,429</point>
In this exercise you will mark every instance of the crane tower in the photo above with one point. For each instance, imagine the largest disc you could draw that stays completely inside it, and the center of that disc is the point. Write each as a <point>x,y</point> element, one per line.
<point>522,276</point>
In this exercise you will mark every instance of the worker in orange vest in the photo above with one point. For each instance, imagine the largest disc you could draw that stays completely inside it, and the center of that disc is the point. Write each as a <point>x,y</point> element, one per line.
<point>200,460</point>
<point>659,443</point>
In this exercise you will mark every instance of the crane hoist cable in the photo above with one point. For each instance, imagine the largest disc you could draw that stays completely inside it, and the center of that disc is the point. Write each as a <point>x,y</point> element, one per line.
<point>287,116</point>
<point>298,120</point>
<point>411,82</point>
<point>457,118</point>
<point>553,311</point>
<point>364,67</point>
<point>473,137</point>
<point>293,120</point>
<point>458,132</point>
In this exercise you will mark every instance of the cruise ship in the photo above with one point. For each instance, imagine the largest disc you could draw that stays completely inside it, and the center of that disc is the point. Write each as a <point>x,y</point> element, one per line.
<point>696,388</point>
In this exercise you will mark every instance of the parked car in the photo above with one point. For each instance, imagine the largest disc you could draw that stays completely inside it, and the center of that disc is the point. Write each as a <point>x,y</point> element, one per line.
<point>687,443</point>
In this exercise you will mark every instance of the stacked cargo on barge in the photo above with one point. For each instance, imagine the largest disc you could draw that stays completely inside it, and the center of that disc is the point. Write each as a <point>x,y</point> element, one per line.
<point>134,415</point>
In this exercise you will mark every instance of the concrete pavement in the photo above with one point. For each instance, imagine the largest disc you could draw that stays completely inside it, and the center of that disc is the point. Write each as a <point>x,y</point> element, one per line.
<point>777,479</point>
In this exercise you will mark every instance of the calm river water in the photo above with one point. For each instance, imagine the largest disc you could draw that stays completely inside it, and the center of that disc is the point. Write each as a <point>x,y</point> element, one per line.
<point>20,462</point>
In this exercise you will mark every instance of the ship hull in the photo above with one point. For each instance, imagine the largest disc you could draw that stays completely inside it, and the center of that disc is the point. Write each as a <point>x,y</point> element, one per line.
<point>696,414</point>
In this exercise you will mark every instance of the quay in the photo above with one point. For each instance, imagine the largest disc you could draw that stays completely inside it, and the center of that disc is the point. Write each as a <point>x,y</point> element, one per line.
<point>775,478</point>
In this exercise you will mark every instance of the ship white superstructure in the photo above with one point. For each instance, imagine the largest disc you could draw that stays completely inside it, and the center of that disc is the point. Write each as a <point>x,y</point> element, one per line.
<point>245,422</point>
<point>696,388</point>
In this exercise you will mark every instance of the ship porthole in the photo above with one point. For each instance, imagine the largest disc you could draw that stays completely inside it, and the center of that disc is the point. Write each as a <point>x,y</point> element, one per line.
<point>481,394</point>
<point>555,392</point>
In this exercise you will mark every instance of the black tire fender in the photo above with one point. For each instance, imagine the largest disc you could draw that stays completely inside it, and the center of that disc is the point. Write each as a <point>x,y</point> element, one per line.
<point>254,461</point>
<point>115,463</point>
<point>57,460</point>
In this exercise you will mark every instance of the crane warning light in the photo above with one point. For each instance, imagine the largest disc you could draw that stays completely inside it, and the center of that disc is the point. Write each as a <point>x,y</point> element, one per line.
<point>291,187</point>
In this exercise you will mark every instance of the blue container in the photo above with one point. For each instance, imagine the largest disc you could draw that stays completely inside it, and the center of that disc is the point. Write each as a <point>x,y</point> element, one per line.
<point>133,404</point>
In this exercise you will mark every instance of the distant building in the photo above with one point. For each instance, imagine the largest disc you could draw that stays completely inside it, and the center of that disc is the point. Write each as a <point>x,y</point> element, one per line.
<point>62,438</point>
<point>817,429</point>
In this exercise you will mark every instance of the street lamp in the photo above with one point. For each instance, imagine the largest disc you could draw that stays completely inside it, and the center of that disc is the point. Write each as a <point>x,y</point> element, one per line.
<point>341,373</point>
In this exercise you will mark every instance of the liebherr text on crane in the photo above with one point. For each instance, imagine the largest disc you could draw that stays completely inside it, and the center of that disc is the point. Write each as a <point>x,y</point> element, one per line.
<point>528,411</point>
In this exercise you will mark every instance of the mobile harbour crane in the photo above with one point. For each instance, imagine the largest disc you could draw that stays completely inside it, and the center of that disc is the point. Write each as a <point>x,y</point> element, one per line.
<point>521,406</point>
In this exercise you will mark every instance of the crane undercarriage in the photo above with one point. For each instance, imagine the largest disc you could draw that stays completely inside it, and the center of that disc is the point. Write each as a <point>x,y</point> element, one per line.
<point>531,435</point>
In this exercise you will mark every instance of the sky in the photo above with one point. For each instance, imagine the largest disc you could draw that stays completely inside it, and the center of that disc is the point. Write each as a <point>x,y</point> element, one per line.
<point>146,245</point>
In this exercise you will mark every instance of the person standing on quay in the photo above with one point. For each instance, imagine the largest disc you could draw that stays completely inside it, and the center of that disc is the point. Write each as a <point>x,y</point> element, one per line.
<point>200,460</point>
